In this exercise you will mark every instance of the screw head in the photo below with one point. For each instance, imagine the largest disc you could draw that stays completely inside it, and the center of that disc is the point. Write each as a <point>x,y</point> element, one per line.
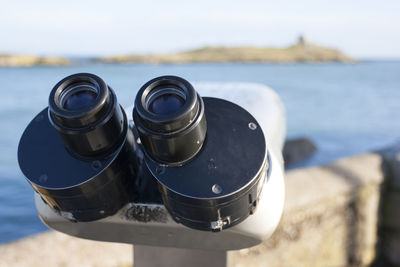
<point>217,189</point>
<point>160,169</point>
<point>252,126</point>
<point>96,164</point>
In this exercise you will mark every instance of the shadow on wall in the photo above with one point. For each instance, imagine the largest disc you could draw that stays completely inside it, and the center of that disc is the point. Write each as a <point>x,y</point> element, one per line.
<point>355,235</point>
<point>388,245</point>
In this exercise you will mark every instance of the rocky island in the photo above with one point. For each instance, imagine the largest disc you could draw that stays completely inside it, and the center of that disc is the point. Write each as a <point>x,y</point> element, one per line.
<point>9,60</point>
<point>302,51</point>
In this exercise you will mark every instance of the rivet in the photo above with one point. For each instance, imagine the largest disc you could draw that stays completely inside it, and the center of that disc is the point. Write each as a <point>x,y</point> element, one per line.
<point>216,189</point>
<point>96,164</point>
<point>252,126</point>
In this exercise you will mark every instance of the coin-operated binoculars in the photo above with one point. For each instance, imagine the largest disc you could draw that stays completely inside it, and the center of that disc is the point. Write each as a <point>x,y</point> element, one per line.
<point>180,176</point>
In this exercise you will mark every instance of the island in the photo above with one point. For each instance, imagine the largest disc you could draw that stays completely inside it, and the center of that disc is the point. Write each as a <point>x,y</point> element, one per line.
<point>301,51</point>
<point>12,60</point>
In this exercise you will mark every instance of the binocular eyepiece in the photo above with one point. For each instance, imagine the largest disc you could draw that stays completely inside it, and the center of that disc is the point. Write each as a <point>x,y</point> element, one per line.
<point>86,114</point>
<point>206,157</point>
<point>169,116</point>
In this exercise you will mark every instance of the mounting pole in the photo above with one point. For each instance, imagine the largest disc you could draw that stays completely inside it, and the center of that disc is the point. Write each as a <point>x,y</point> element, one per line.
<point>150,256</point>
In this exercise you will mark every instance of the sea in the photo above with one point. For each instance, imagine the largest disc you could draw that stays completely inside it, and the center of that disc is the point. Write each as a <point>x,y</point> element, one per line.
<point>345,109</point>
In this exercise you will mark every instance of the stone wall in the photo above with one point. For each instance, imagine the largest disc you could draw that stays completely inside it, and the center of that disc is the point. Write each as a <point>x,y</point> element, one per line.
<point>329,219</point>
<point>343,214</point>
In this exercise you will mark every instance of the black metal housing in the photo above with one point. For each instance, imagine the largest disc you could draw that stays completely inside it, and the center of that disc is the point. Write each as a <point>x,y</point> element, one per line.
<point>220,186</point>
<point>80,162</point>
<point>83,162</point>
<point>173,138</point>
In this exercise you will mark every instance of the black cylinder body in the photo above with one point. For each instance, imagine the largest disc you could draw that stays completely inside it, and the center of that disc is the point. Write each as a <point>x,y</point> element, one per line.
<point>78,154</point>
<point>221,185</point>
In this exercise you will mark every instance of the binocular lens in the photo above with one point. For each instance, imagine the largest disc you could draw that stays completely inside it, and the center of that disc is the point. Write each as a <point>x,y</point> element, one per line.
<point>78,96</point>
<point>166,101</point>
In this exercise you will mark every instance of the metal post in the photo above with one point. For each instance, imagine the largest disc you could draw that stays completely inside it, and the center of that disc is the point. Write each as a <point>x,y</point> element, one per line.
<point>146,256</point>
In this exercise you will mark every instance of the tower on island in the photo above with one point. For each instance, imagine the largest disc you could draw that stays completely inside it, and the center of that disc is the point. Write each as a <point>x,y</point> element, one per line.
<point>302,41</point>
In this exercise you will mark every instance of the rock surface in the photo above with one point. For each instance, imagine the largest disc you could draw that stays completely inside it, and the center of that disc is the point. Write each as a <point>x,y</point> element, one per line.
<point>330,217</point>
<point>296,150</point>
<point>58,249</point>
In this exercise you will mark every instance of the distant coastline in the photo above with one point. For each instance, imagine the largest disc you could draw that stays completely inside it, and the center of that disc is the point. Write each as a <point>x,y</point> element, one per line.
<point>12,60</point>
<point>302,51</point>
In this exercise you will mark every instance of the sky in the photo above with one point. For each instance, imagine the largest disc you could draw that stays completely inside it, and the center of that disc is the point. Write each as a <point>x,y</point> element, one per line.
<point>360,28</point>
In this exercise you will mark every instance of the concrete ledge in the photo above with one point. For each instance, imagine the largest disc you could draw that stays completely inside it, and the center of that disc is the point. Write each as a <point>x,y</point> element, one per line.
<point>330,219</point>
<point>58,249</point>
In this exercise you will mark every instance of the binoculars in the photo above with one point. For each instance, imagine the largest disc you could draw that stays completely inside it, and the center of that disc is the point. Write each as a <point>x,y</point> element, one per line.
<point>204,158</point>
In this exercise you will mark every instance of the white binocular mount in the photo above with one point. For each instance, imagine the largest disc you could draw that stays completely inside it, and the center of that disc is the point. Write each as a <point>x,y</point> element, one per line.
<point>184,175</point>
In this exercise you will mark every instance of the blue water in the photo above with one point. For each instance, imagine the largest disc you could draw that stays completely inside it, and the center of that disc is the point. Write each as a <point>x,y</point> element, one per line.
<point>345,109</point>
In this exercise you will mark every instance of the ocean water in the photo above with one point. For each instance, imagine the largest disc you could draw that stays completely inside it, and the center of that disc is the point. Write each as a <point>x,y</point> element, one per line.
<point>345,109</point>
